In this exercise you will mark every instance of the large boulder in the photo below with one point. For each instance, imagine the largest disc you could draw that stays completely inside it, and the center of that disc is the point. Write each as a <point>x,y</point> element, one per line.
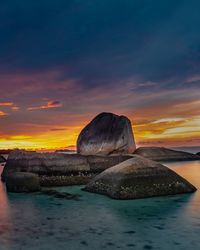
<point>138,178</point>
<point>56,169</point>
<point>22,182</point>
<point>198,153</point>
<point>165,154</point>
<point>107,134</point>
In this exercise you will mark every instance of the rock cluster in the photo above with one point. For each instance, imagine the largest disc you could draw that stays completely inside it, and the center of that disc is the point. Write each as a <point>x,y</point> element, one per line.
<point>105,162</point>
<point>56,169</point>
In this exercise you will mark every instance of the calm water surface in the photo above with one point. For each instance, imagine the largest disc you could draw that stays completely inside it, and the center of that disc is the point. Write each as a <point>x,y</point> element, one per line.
<point>96,222</point>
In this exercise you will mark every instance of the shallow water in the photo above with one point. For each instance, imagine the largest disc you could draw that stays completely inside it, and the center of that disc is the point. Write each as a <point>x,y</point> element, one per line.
<point>31,221</point>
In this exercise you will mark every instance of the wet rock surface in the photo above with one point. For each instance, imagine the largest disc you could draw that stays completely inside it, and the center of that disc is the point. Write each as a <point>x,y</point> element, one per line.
<point>138,178</point>
<point>20,182</point>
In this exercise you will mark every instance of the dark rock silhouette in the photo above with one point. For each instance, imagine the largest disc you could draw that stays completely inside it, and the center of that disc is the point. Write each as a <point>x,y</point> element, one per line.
<point>65,151</point>
<point>5,151</point>
<point>138,178</point>
<point>19,182</point>
<point>106,134</point>
<point>56,169</point>
<point>2,159</point>
<point>165,154</point>
<point>198,153</point>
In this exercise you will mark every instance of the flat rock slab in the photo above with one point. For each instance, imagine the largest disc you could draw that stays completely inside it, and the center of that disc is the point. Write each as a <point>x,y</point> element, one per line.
<point>106,134</point>
<point>165,154</point>
<point>138,178</point>
<point>55,169</point>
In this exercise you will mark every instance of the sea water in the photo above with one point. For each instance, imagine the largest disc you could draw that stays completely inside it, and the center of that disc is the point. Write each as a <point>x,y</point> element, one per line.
<point>33,221</point>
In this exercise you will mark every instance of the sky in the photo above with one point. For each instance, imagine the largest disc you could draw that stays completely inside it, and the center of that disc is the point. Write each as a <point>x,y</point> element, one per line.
<point>64,61</point>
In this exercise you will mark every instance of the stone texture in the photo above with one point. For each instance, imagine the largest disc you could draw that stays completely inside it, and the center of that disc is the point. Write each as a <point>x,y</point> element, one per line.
<point>55,169</point>
<point>22,182</point>
<point>165,154</point>
<point>138,178</point>
<point>106,134</point>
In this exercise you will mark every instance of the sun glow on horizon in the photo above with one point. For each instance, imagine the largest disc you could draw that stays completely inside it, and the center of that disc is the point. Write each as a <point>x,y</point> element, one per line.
<point>163,131</point>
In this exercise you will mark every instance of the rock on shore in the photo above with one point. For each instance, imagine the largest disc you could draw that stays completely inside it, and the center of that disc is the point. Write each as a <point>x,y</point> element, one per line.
<point>138,178</point>
<point>56,169</point>
<point>22,182</point>
<point>107,134</point>
<point>165,154</point>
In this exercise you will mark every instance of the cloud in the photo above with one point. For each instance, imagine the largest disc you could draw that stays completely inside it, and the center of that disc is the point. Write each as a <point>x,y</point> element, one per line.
<point>144,64</point>
<point>6,104</point>
<point>168,120</point>
<point>10,105</point>
<point>152,39</point>
<point>15,108</point>
<point>3,113</point>
<point>48,105</point>
<point>58,129</point>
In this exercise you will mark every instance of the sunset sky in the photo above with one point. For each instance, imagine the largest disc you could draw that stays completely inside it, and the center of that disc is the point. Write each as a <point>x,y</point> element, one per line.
<point>64,61</point>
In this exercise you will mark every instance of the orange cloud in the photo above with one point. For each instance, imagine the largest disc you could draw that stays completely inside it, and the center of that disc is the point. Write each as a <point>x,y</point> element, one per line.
<point>15,108</point>
<point>169,117</point>
<point>168,131</point>
<point>10,105</point>
<point>3,113</point>
<point>48,105</point>
<point>6,104</point>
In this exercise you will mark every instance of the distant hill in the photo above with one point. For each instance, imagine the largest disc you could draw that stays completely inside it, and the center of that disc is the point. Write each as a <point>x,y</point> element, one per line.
<point>5,151</point>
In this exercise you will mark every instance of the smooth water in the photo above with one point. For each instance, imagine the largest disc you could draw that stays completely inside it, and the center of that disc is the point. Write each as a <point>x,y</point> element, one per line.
<point>31,221</point>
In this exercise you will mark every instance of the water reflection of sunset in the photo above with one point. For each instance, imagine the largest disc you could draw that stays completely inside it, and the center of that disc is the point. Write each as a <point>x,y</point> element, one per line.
<point>5,219</point>
<point>190,170</point>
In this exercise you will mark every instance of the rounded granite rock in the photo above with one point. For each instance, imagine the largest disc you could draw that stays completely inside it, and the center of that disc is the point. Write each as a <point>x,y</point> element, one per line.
<point>107,134</point>
<point>138,178</point>
<point>19,182</point>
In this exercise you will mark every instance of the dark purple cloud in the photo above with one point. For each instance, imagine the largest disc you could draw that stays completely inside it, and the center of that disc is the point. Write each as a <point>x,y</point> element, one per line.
<point>61,62</point>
